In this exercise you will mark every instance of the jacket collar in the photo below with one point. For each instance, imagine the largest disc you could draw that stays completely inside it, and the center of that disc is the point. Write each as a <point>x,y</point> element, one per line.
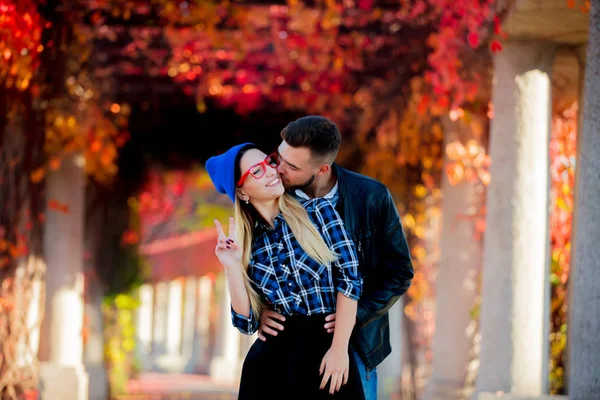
<point>340,173</point>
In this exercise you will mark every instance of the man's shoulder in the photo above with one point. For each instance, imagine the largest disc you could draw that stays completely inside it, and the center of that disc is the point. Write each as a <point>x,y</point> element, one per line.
<point>356,182</point>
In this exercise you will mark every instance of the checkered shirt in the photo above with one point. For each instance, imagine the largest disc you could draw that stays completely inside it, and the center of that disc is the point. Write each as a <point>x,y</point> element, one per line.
<point>291,282</point>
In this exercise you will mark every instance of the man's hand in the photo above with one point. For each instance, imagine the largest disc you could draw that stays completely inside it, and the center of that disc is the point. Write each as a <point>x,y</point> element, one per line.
<point>330,323</point>
<point>268,324</point>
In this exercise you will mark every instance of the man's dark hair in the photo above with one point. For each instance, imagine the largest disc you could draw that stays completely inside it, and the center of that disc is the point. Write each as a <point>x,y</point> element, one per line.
<point>319,134</point>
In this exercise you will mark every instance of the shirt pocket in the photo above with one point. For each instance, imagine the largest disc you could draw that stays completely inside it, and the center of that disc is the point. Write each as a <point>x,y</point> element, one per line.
<point>265,279</point>
<point>314,270</point>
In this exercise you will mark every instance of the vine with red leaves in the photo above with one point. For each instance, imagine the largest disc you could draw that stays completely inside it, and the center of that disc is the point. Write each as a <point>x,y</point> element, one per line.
<point>21,216</point>
<point>563,150</point>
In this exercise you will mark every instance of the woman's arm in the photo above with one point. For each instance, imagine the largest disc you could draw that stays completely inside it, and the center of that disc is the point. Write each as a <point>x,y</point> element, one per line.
<point>336,362</point>
<point>240,302</point>
<point>346,317</point>
<point>242,316</point>
<point>230,256</point>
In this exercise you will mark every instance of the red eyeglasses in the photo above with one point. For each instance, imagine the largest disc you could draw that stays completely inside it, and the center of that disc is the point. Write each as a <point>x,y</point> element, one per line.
<point>258,170</point>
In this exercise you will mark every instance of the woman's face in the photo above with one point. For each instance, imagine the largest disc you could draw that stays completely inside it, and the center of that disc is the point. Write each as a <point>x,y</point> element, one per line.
<point>260,177</point>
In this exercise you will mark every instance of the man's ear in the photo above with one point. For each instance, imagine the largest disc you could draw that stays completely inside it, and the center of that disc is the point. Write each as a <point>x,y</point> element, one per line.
<point>323,169</point>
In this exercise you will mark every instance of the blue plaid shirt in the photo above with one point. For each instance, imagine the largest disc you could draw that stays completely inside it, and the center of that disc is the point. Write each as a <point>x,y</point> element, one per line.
<point>289,280</point>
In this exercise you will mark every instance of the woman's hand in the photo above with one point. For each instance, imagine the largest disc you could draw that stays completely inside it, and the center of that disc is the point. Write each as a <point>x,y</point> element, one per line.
<point>335,364</point>
<point>227,251</point>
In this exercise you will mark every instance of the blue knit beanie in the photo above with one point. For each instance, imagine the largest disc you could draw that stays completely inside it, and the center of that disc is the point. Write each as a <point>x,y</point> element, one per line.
<point>221,169</point>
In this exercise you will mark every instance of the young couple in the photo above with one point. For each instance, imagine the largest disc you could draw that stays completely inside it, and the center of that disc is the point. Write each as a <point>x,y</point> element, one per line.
<point>315,256</point>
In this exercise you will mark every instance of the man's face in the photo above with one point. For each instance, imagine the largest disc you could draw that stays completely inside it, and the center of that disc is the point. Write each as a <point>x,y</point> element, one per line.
<point>295,166</point>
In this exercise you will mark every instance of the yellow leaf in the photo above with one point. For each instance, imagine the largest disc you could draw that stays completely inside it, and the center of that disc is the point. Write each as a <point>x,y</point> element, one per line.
<point>561,204</point>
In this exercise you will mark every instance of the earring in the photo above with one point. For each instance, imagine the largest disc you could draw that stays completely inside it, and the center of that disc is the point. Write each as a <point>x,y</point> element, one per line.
<point>247,202</point>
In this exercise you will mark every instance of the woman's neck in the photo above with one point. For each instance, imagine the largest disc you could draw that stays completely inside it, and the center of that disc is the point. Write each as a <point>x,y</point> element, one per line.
<point>268,210</point>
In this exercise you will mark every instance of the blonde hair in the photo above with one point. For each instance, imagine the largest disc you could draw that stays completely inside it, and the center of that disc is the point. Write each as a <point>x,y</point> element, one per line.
<point>302,227</point>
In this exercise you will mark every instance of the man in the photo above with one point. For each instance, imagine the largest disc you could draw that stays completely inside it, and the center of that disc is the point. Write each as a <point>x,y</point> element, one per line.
<point>306,156</point>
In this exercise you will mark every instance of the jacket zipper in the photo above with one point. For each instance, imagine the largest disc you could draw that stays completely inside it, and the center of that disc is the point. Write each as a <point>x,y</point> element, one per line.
<point>368,373</point>
<point>359,246</point>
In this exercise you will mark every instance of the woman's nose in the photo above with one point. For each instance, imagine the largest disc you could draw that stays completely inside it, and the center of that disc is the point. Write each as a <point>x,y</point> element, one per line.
<point>272,172</point>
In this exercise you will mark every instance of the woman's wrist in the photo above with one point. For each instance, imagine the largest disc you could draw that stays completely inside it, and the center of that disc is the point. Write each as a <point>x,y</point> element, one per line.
<point>340,345</point>
<point>232,269</point>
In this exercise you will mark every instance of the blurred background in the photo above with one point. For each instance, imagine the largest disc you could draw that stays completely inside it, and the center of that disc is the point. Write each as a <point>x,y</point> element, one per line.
<point>468,110</point>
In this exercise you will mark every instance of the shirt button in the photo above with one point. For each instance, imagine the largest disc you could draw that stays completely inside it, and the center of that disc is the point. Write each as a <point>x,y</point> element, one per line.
<point>290,284</point>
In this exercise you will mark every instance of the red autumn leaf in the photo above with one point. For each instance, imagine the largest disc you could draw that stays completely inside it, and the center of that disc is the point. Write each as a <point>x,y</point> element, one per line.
<point>497,25</point>
<point>365,4</point>
<point>58,206</point>
<point>473,39</point>
<point>495,46</point>
<point>130,237</point>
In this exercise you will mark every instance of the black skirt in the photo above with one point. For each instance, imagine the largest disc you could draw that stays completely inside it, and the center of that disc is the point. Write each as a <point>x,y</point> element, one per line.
<point>287,365</point>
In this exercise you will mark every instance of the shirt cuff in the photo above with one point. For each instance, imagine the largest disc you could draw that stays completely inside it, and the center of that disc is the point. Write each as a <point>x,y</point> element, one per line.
<point>246,325</point>
<point>352,291</point>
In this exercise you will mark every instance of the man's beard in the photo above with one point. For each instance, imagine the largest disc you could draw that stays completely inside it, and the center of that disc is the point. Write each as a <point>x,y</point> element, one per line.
<point>302,186</point>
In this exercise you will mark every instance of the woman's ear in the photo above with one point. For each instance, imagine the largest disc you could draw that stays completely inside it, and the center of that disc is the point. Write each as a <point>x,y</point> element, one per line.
<point>242,196</point>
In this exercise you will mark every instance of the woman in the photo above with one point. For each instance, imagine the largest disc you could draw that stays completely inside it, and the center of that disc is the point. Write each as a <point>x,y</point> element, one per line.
<point>298,260</point>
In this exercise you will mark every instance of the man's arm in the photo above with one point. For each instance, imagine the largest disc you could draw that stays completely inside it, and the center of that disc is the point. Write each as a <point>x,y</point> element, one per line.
<point>393,274</point>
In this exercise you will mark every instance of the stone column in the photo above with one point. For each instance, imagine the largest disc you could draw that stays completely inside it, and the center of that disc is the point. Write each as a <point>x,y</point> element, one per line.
<point>513,355</point>
<point>174,318</point>
<point>190,301</point>
<point>457,278</point>
<point>62,373</point>
<point>29,300</point>
<point>159,322</point>
<point>93,354</point>
<point>389,372</point>
<point>584,311</point>
<point>144,323</point>
<point>202,341</point>
<point>226,366</point>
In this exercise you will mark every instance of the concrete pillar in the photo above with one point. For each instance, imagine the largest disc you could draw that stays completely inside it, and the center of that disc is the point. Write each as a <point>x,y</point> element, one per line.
<point>159,327</point>
<point>93,355</point>
<point>389,372</point>
<point>514,327</point>
<point>93,351</point>
<point>62,374</point>
<point>190,300</point>
<point>226,366</point>
<point>174,318</point>
<point>144,319</point>
<point>584,310</point>
<point>202,339</point>
<point>456,280</point>
<point>29,299</point>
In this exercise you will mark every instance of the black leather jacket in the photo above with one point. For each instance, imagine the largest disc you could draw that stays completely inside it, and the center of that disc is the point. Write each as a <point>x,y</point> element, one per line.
<point>372,219</point>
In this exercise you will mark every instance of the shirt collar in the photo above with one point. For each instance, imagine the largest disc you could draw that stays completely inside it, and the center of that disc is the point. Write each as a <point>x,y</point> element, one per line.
<point>260,226</point>
<point>328,196</point>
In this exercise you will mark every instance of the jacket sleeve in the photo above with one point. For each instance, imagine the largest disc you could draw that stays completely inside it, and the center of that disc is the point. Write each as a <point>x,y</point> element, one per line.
<point>394,265</point>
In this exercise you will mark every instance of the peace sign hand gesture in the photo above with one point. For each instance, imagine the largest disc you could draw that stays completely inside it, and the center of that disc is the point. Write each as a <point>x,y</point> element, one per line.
<point>227,251</point>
